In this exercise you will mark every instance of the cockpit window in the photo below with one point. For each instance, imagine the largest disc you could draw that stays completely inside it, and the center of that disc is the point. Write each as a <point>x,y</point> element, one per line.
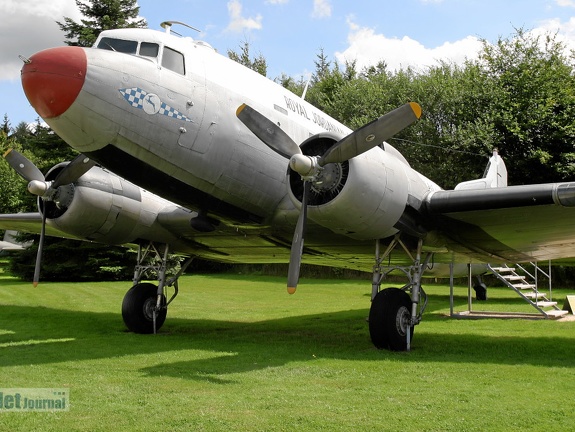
<point>148,49</point>
<point>173,60</point>
<point>118,45</point>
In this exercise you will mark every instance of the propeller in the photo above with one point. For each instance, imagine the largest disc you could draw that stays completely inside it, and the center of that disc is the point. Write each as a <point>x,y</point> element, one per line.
<point>308,167</point>
<point>297,242</point>
<point>47,190</point>
<point>267,131</point>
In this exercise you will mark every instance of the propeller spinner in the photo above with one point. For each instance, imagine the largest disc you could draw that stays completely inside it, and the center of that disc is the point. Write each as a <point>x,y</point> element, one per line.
<point>308,167</point>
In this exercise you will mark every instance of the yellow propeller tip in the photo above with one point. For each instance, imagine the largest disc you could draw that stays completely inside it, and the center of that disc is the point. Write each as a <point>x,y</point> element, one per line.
<point>291,290</point>
<point>34,284</point>
<point>416,109</point>
<point>240,109</point>
<point>7,151</point>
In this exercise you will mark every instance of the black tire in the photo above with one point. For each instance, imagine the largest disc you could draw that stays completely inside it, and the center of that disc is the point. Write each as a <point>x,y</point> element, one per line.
<point>389,313</point>
<point>480,291</point>
<point>137,309</point>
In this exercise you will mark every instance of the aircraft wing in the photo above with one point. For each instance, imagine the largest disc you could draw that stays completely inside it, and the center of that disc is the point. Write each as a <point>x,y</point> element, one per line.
<point>29,222</point>
<point>515,223</point>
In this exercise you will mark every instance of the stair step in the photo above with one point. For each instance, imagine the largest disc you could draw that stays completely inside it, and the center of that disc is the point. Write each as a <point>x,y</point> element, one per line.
<point>546,303</point>
<point>513,277</point>
<point>534,295</point>
<point>524,286</point>
<point>503,269</point>
<point>556,313</point>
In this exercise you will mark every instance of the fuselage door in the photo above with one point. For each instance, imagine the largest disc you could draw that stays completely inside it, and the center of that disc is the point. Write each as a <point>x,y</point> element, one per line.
<point>195,104</point>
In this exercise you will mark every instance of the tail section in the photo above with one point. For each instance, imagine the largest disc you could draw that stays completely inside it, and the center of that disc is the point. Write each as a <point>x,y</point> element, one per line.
<point>495,175</point>
<point>10,243</point>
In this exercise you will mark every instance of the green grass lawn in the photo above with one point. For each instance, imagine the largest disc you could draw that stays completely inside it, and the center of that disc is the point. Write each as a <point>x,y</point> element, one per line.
<point>237,353</point>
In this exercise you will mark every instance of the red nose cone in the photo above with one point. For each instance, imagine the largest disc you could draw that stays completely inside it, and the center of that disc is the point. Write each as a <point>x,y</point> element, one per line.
<point>53,78</point>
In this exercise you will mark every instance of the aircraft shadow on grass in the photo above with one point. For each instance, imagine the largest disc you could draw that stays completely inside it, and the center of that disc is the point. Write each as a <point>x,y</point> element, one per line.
<point>242,347</point>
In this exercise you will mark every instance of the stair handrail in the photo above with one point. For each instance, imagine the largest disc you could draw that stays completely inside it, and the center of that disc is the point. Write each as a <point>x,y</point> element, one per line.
<point>539,269</point>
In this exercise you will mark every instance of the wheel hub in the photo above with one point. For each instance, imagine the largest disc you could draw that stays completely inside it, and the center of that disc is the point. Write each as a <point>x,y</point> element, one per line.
<point>149,307</point>
<point>403,320</point>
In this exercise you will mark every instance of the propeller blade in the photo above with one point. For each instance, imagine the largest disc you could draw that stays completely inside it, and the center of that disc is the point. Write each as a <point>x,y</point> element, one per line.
<point>79,166</point>
<point>23,166</point>
<point>38,264</point>
<point>372,134</point>
<point>298,241</point>
<point>267,131</point>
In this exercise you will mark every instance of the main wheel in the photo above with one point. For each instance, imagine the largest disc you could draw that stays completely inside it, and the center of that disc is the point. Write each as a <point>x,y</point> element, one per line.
<point>480,291</point>
<point>389,319</point>
<point>138,308</point>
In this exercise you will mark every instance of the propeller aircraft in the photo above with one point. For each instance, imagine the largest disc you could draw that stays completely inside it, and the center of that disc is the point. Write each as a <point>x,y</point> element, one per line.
<point>182,150</point>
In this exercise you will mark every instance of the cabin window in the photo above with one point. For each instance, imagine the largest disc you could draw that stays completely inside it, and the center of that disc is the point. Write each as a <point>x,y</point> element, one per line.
<point>118,45</point>
<point>173,60</point>
<point>148,49</point>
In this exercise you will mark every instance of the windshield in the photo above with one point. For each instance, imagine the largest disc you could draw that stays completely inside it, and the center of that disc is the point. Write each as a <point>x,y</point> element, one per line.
<point>145,49</point>
<point>118,45</point>
<point>171,59</point>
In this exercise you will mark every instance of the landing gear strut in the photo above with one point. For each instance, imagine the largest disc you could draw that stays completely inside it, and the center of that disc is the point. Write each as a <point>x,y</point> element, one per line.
<point>144,308</point>
<point>394,312</point>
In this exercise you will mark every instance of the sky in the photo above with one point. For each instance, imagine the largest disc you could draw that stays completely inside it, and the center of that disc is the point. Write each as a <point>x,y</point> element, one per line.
<point>289,34</point>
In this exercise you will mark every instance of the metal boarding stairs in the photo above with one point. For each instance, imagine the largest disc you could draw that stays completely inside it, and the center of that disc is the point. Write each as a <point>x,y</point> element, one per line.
<point>524,283</point>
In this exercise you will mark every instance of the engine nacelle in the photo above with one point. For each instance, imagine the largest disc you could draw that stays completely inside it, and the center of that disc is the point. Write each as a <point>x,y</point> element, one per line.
<point>103,207</point>
<point>362,198</point>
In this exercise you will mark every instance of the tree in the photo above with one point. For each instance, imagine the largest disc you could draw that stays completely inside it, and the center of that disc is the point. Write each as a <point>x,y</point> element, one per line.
<point>47,147</point>
<point>13,195</point>
<point>325,84</point>
<point>533,107</point>
<point>296,87</point>
<point>453,139</point>
<point>6,128</point>
<point>257,63</point>
<point>322,66</point>
<point>100,15</point>
<point>519,97</point>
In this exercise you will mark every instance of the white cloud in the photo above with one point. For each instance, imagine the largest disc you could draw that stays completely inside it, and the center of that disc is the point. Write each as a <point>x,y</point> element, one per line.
<point>367,48</point>
<point>237,22</point>
<point>565,31</point>
<point>566,3</point>
<point>321,9</point>
<point>30,26</point>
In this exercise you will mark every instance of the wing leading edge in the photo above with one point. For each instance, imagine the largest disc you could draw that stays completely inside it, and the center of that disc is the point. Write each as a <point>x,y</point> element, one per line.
<point>30,223</point>
<point>515,223</point>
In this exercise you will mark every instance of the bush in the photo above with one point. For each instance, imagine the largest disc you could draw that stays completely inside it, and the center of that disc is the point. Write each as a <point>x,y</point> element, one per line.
<point>71,260</point>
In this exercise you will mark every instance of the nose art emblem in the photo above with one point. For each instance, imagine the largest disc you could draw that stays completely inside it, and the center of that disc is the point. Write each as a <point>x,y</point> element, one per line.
<point>150,103</point>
